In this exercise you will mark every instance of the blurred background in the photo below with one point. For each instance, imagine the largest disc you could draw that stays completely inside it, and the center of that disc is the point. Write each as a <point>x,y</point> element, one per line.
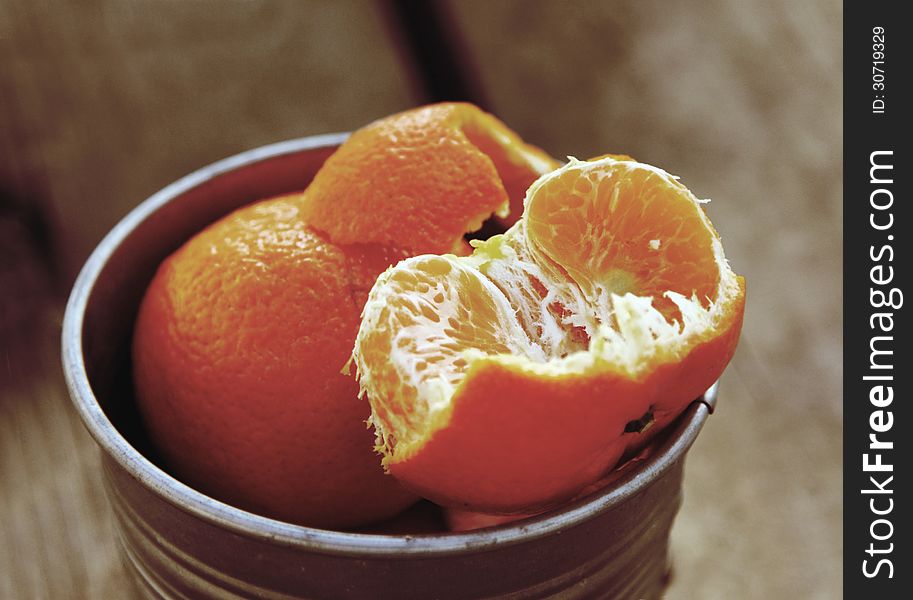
<point>103,102</point>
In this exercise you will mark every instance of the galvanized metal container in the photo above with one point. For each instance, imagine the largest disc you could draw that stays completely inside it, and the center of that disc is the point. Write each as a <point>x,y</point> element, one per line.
<point>179,543</point>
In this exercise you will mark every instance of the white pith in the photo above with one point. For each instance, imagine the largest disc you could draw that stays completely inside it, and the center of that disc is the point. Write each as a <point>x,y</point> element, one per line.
<point>624,331</point>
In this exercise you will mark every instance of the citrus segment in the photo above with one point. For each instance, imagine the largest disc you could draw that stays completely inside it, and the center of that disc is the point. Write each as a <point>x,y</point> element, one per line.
<point>508,380</point>
<point>615,230</point>
<point>428,314</point>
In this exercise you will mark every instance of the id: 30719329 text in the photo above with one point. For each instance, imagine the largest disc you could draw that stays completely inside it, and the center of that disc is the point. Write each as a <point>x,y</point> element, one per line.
<point>878,70</point>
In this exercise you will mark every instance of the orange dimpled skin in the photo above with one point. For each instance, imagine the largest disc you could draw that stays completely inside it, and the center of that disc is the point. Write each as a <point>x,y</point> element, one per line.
<point>238,348</point>
<point>425,177</point>
<point>243,334</point>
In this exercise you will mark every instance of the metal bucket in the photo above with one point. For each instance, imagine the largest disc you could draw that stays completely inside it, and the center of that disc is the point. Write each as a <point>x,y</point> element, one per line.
<point>179,543</point>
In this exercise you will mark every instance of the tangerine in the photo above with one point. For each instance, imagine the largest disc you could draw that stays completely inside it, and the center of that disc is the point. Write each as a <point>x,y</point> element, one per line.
<point>507,381</point>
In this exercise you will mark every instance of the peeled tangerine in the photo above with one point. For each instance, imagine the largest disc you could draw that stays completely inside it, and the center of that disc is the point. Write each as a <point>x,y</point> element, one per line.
<point>508,380</point>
